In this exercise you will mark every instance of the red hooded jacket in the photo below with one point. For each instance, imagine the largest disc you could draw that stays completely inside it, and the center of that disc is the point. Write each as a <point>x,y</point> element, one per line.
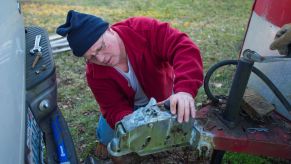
<point>164,60</point>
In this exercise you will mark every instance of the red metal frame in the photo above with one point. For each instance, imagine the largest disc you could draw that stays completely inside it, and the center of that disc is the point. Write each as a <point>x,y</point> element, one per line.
<point>276,142</point>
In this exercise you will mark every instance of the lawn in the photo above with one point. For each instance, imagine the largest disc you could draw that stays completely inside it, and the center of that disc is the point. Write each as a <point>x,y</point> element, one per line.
<point>216,26</point>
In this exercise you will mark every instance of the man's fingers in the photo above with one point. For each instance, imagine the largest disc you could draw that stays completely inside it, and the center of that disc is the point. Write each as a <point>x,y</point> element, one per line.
<point>181,110</point>
<point>193,109</point>
<point>161,102</point>
<point>173,107</point>
<point>273,45</point>
<point>283,51</point>
<point>183,105</point>
<point>282,38</point>
<point>280,33</point>
<point>187,110</point>
<point>279,42</point>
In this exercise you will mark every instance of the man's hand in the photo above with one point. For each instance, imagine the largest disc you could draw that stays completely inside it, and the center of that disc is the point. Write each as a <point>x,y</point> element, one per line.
<point>183,105</point>
<point>282,40</point>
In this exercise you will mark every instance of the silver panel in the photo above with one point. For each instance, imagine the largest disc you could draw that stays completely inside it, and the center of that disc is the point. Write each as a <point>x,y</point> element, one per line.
<point>12,83</point>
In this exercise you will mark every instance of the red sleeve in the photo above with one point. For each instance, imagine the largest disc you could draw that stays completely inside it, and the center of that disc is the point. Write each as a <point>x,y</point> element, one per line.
<point>178,49</point>
<point>106,91</point>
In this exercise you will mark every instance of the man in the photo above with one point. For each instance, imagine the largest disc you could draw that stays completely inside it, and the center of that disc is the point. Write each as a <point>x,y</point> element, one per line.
<point>132,61</point>
<point>282,40</point>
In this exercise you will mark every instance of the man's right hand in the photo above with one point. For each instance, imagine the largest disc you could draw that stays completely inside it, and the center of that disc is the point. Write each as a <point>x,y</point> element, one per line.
<point>282,40</point>
<point>183,105</point>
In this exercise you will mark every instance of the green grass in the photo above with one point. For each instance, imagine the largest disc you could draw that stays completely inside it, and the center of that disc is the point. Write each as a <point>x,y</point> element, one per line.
<point>239,158</point>
<point>216,26</point>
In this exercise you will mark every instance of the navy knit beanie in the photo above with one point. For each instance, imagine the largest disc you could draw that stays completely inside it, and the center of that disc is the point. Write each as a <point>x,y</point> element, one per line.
<point>82,31</point>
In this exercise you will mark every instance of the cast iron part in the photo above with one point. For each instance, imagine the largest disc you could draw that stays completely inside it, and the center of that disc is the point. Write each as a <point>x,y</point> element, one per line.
<point>152,129</point>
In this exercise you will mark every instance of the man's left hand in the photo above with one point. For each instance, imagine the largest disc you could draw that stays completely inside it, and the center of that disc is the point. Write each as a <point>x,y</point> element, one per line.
<point>182,104</point>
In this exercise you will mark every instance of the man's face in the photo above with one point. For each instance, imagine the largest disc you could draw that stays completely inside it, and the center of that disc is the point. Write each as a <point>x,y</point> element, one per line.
<point>105,51</point>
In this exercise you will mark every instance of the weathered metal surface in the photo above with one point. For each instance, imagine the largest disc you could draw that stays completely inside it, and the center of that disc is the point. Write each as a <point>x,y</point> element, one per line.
<point>274,142</point>
<point>149,130</point>
<point>59,44</point>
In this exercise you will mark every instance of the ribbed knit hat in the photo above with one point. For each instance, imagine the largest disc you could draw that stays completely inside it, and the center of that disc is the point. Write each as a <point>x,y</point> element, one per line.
<point>82,31</point>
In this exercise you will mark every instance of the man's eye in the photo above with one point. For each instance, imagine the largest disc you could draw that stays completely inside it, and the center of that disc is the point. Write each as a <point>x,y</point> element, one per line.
<point>99,49</point>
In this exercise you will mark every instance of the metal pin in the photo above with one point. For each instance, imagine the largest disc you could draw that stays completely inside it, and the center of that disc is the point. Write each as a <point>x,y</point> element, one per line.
<point>253,130</point>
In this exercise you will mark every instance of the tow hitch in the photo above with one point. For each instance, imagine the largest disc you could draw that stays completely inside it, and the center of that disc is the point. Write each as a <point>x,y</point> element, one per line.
<point>216,128</point>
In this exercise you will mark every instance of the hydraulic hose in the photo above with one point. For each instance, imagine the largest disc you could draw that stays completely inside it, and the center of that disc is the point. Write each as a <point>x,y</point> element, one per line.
<point>209,74</point>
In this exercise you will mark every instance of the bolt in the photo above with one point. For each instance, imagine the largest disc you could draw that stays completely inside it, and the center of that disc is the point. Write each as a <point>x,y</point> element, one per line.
<point>44,105</point>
